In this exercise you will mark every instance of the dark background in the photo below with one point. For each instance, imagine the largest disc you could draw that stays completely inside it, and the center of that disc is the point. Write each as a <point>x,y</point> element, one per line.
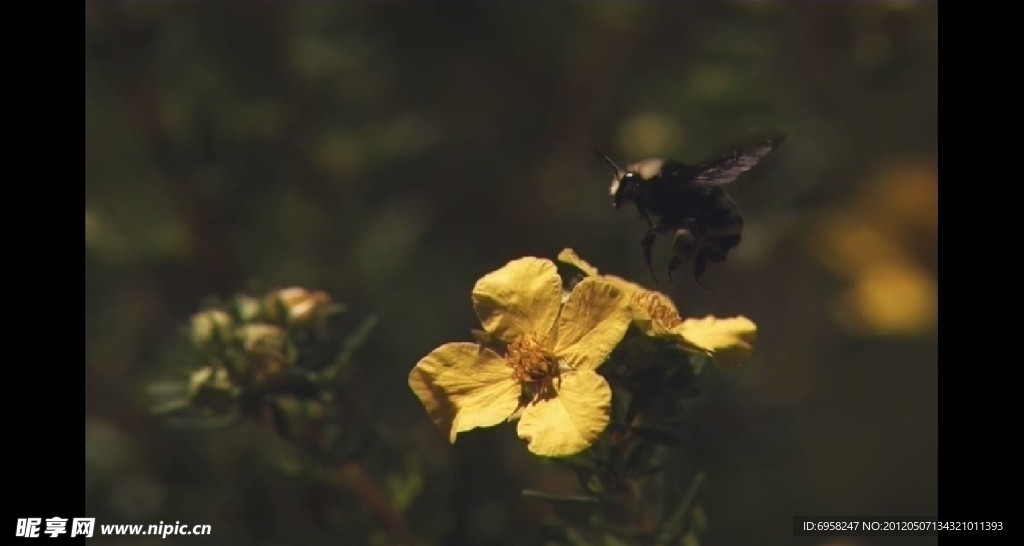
<point>393,154</point>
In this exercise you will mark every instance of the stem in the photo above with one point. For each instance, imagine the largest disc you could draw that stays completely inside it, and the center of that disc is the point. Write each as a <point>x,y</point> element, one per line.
<point>570,499</point>
<point>352,476</point>
<point>631,498</point>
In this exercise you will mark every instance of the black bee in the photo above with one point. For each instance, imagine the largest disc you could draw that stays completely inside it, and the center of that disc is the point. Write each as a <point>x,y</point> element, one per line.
<point>690,202</point>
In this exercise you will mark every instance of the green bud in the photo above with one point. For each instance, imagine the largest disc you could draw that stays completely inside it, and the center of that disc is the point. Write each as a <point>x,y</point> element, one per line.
<point>209,328</point>
<point>248,307</point>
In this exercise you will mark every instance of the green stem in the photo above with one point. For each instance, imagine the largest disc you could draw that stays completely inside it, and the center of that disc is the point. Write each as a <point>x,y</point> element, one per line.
<point>574,499</point>
<point>352,476</point>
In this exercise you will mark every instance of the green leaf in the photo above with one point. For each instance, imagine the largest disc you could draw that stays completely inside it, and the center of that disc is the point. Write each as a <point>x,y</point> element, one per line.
<point>638,536</point>
<point>592,482</point>
<point>699,363</point>
<point>173,406</point>
<point>206,422</point>
<point>561,499</point>
<point>335,373</point>
<point>167,388</point>
<point>639,454</point>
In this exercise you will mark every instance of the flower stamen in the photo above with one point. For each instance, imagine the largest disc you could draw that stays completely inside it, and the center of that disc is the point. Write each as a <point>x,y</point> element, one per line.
<point>533,366</point>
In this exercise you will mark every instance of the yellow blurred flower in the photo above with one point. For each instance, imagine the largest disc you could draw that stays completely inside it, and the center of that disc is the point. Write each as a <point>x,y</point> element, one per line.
<point>884,244</point>
<point>889,298</point>
<point>729,342</point>
<point>546,377</point>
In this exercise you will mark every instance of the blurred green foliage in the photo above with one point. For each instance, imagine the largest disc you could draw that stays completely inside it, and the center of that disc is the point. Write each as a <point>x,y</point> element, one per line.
<point>391,154</point>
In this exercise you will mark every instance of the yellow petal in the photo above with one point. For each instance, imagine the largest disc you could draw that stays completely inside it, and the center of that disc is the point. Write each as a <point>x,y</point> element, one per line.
<point>729,341</point>
<point>569,256</point>
<point>570,422</point>
<point>654,313</point>
<point>592,323</point>
<point>520,298</point>
<point>627,287</point>
<point>464,386</point>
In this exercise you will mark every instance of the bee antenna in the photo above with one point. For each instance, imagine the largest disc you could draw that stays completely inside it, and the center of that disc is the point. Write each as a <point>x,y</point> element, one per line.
<point>610,162</point>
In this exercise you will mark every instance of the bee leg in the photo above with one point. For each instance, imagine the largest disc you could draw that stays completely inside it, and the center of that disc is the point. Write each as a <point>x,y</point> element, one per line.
<point>673,265</point>
<point>700,263</point>
<point>684,245</point>
<point>647,242</point>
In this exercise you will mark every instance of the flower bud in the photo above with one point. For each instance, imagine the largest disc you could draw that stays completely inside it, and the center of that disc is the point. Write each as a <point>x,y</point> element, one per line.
<point>301,305</point>
<point>209,328</point>
<point>261,338</point>
<point>210,389</point>
<point>265,346</point>
<point>248,308</point>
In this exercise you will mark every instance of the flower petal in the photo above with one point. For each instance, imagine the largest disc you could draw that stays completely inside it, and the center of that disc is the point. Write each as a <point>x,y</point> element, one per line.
<point>568,256</point>
<point>520,298</point>
<point>593,321</point>
<point>627,287</point>
<point>571,421</point>
<point>729,341</point>
<point>653,312</point>
<point>464,386</point>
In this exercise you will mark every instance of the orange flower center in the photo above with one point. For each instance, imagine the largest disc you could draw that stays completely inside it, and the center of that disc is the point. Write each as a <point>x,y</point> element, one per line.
<point>656,306</point>
<point>533,366</point>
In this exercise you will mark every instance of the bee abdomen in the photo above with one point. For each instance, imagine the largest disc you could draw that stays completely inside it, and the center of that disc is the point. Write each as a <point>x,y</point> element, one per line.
<point>723,235</point>
<point>733,226</point>
<point>718,248</point>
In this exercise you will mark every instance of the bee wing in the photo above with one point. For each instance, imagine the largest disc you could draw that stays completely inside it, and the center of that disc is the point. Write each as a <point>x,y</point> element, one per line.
<point>729,166</point>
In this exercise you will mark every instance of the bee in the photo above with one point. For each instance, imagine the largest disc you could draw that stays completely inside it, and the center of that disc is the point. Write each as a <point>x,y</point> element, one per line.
<point>689,202</point>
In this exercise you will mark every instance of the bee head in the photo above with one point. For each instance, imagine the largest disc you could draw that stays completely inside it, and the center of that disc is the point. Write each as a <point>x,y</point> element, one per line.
<point>623,184</point>
<point>623,188</point>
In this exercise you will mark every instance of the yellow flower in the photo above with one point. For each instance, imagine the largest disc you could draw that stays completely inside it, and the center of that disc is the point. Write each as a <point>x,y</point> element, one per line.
<point>546,376</point>
<point>728,341</point>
